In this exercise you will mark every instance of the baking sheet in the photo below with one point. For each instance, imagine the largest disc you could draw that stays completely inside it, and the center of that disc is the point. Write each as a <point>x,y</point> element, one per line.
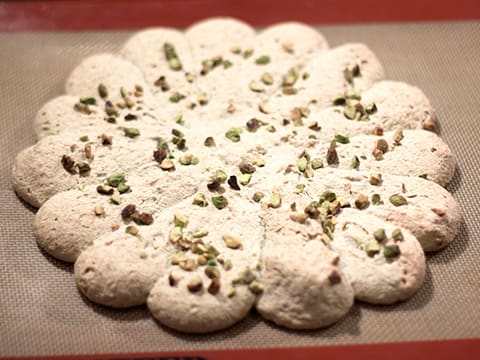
<point>42,312</point>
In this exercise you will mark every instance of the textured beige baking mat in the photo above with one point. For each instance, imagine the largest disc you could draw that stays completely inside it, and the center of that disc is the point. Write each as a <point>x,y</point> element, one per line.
<point>42,312</point>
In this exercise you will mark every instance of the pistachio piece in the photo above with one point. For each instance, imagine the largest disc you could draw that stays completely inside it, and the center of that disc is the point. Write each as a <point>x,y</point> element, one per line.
<point>398,136</point>
<point>195,284</point>
<point>253,125</point>
<point>302,164</point>
<point>299,217</point>
<point>258,196</point>
<point>262,60</point>
<point>220,202</point>
<point>172,57</point>
<point>376,199</point>
<point>260,162</point>
<point>83,138</point>
<point>275,200</point>
<point>355,162</point>
<point>102,91</point>
<point>162,83</point>
<point>99,210</point>
<point>371,108</point>
<point>175,234</point>
<point>188,265</point>
<point>233,134</point>
<point>142,218</point>
<point>200,234</point>
<point>200,200</point>
<point>246,167</point>
<point>379,235</point>
<point>132,230</point>
<point>362,202</point>
<point>128,211</point>
<point>312,212</point>
<point>378,131</point>
<point>209,141</point>
<point>105,190</point>
<point>232,182</point>
<point>106,140</point>
<point>68,164</point>
<point>287,47</point>
<point>316,163</point>
<point>256,86</point>
<point>391,251</point>
<point>382,145</point>
<point>115,179</point>
<point>256,287</point>
<point>123,188</point>
<point>299,188</point>
<point>116,199</point>
<point>176,97</point>
<point>439,212</point>
<point>232,241</point>
<point>398,200</point>
<point>235,49</point>
<point>131,132</point>
<point>167,165</point>
<point>397,235</point>
<point>430,125</point>
<point>267,78</point>
<point>180,220</point>
<point>372,248</point>
<point>202,260</point>
<point>214,286</point>
<point>342,139</point>
<point>178,258</point>
<point>332,156</point>
<point>247,53</point>
<point>377,154</point>
<point>375,179</point>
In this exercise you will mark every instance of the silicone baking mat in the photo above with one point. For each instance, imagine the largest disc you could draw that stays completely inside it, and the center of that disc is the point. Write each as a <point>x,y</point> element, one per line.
<point>42,312</point>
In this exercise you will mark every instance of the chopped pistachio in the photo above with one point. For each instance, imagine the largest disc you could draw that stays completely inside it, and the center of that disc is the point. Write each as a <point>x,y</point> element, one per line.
<point>230,292</point>
<point>116,199</point>
<point>128,211</point>
<point>233,183</point>
<point>200,234</point>
<point>256,86</point>
<point>429,125</point>
<point>375,179</point>
<point>202,99</point>
<point>200,200</point>
<point>212,272</point>
<point>299,217</point>
<point>175,97</point>
<point>391,251</point>
<point>110,109</point>
<point>258,196</point>
<point>188,159</point>
<point>287,47</point>
<point>106,140</point>
<point>372,248</point>
<point>377,154</point>
<point>302,164</point>
<point>68,163</point>
<point>195,284</point>
<point>142,218</point>
<point>202,260</point>
<point>397,235</point>
<point>327,196</point>
<point>188,265</point>
<point>83,168</point>
<point>105,189</point>
<point>131,132</point>
<point>211,262</point>
<point>379,235</point>
<point>180,220</point>
<point>214,286</point>
<point>227,265</point>
<point>209,141</point>
<point>246,167</point>
<point>159,155</point>
<point>233,134</point>
<point>398,200</point>
<point>102,91</point>
<point>299,188</point>
<point>339,101</point>
<point>172,57</point>
<point>88,101</point>
<point>236,49</point>
<point>275,200</point>
<point>178,258</point>
<point>99,210</point>
<point>312,212</point>
<point>262,60</point>
<point>115,179</point>
<point>175,234</point>
<point>290,79</point>
<point>398,136</point>
<point>220,202</point>
<point>423,176</point>
<point>332,156</point>
<point>316,163</point>
<point>355,162</point>
<point>132,230</point>
<point>83,138</point>
<point>289,90</point>
<point>256,287</point>
<point>350,112</point>
<point>362,202</point>
<point>253,125</point>
<point>260,162</point>
<point>267,78</point>
<point>378,131</point>
<point>232,241</point>
<point>167,164</point>
<point>376,200</point>
<point>371,108</point>
<point>439,212</point>
<point>382,145</point>
<point>123,188</point>
<point>342,139</point>
<point>247,53</point>
<point>351,73</point>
